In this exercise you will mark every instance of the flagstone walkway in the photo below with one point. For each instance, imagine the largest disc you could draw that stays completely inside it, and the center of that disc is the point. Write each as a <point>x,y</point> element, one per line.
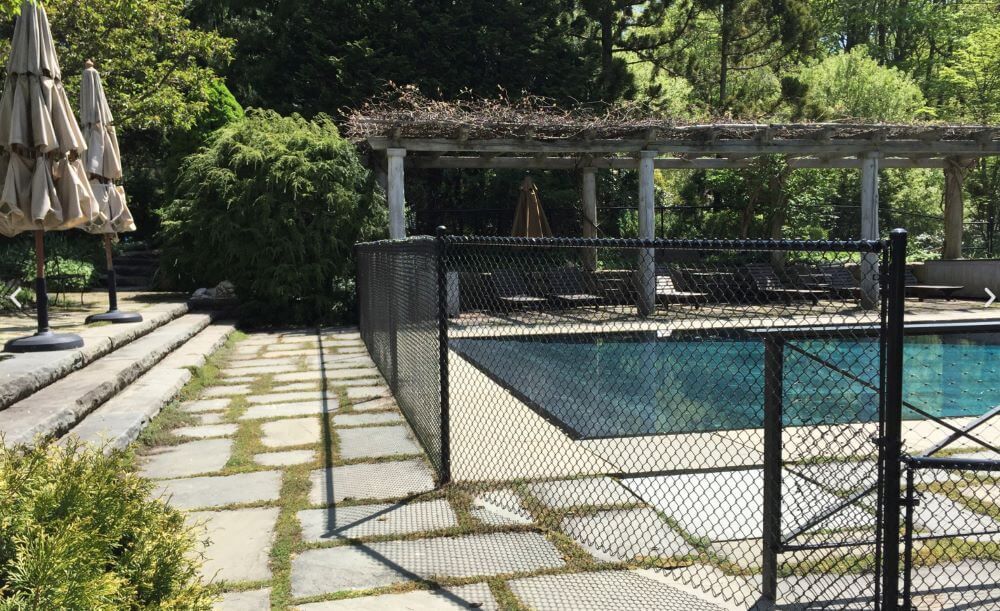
<point>302,474</point>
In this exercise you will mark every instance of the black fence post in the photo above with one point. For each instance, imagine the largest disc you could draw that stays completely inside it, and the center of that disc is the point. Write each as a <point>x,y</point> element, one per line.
<point>911,502</point>
<point>892,440</point>
<point>774,364</point>
<point>442,277</point>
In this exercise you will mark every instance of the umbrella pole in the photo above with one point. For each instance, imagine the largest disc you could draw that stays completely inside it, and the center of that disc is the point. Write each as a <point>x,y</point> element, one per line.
<point>112,280</point>
<point>41,291</point>
<point>44,340</point>
<point>113,315</point>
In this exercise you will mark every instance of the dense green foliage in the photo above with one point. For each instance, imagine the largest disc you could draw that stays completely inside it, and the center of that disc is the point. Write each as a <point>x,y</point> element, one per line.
<point>766,60</point>
<point>273,204</point>
<point>80,530</point>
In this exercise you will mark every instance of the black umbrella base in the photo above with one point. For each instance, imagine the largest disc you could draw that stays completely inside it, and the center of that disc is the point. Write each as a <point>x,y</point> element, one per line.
<point>116,317</point>
<point>46,341</point>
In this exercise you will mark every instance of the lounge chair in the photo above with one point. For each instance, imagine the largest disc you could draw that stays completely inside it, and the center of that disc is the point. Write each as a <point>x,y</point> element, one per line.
<point>834,279</point>
<point>766,283</point>
<point>568,287</point>
<point>512,290</point>
<point>667,292</point>
<point>922,291</point>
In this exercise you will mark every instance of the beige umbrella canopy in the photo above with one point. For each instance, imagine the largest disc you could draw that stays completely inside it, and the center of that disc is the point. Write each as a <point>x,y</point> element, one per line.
<point>44,184</point>
<point>104,166</point>
<point>530,220</point>
<point>102,159</point>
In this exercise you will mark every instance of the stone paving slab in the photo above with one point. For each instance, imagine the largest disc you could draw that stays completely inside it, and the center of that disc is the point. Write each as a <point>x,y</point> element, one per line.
<point>257,370</point>
<point>358,521</point>
<point>191,458</point>
<point>500,508</point>
<point>320,571</point>
<point>362,419</point>
<point>220,490</point>
<point>284,459</point>
<point>206,431</point>
<point>625,535</point>
<point>263,362</point>
<point>474,596</point>
<point>210,418</point>
<point>300,376</point>
<point>368,392</point>
<point>205,405</point>
<point>226,391</point>
<point>939,515</point>
<point>293,432</point>
<point>294,408</point>
<point>370,481</point>
<point>252,600</point>
<point>375,405</point>
<point>727,505</point>
<point>353,372</point>
<point>376,442</point>
<point>278,397</point>
<point>248,379</point>
<point>300,386</point>
<point>564,494</point>
<point>605,590</point>
<point>239,542</point>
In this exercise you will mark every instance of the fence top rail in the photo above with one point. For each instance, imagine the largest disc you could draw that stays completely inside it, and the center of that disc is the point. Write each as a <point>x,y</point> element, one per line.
<point>965,464</point>
<point>862,246</point>
<point>419,239</point>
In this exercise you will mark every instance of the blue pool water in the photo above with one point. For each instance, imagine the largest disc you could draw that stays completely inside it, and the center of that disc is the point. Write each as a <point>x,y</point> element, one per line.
<point>618,385</point>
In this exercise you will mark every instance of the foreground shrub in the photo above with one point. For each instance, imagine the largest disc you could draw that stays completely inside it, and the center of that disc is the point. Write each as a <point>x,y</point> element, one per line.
<point>79,530</point>
<point>273,204</point>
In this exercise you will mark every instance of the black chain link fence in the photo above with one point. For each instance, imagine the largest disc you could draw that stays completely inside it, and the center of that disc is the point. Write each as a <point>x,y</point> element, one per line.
<point>706,411</point>
<point>397,289</point>
<point>952,532</point>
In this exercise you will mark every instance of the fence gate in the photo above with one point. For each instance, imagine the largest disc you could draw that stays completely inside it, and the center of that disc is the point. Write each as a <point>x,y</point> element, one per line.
<point>699,424</point>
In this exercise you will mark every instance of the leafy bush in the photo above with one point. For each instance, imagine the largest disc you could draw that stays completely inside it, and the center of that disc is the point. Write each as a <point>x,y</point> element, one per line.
<point>274,204</point>
<point>80,530</point>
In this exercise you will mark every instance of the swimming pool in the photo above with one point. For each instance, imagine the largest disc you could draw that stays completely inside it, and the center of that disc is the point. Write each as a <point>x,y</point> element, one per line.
<point>617,385</point>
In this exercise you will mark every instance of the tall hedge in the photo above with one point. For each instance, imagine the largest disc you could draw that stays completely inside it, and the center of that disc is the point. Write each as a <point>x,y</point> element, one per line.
<point>273,204</point>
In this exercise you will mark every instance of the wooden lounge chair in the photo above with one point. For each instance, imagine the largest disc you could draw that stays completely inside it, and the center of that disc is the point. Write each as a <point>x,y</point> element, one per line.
<point>667,292</point>
<point>923,291</point>
<point>568,287</point>
<point>843,284</point>
<point>766,283</point>
<point>511,289</point>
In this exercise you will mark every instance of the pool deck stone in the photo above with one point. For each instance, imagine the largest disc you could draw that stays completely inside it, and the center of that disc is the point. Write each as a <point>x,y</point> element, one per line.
<point>221,490</point>
<point>389,480</point>
<point>357,521</point>
<point>292,408</point>
<point>322,571</point>
<point>291,432</point>
<point>239,542</point>
<point>377,442</point>
<point>190,458</point>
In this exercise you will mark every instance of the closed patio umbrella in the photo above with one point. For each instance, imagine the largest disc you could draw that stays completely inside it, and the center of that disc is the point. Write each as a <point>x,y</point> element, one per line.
<point>45,186</point>
<point>529,219</point>
<point>103,164</point>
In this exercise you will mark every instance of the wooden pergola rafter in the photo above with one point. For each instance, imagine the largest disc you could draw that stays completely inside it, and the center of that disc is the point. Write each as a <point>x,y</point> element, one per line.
<point>591,145</point>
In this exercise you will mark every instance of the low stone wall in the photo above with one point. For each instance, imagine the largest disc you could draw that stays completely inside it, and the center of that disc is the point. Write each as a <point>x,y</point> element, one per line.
<point>975,275</point>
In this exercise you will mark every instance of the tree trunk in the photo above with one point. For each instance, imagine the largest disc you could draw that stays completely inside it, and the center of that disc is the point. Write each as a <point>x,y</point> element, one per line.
<point>726,31</point>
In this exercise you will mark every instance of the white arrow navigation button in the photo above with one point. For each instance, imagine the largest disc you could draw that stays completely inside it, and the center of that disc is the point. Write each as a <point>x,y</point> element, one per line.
<point>13,297</point>
<point>992,298</point>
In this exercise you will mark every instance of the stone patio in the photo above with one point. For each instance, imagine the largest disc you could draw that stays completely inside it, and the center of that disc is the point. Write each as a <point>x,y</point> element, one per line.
<point>322,500</point>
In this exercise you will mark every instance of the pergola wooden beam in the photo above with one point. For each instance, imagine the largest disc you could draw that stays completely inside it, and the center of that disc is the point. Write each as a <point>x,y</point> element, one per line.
<point>750,148</point>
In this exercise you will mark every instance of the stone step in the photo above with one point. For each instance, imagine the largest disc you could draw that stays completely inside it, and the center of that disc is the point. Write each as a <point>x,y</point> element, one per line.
<point>59,406</point>
<point>24,374</point>
<point>119,421</point>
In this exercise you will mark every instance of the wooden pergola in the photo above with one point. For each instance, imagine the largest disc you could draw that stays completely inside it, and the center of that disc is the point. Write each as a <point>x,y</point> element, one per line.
<point>401,141</point>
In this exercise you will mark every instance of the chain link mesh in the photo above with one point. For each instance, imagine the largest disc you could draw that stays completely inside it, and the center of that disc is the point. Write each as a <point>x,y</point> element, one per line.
<point>706,411</point>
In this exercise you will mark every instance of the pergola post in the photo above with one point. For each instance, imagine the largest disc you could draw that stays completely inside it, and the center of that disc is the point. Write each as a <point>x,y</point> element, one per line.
<point>954,208</point>
<point>869,228</point>
<point>396,193</point>
<point>647,231</point>
<point>590,214</point>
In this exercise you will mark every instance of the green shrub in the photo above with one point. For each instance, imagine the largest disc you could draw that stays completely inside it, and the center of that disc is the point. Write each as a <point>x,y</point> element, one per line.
<point>273,204</point>
<point>80,530</point>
